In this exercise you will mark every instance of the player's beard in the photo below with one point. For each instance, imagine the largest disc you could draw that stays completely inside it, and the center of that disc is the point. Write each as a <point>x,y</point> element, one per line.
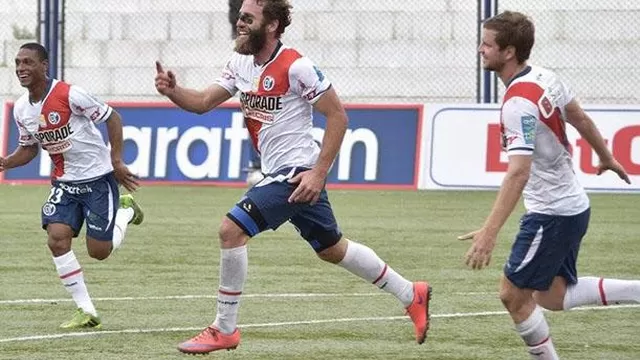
<point>253,42</point>
<point>493,66</point>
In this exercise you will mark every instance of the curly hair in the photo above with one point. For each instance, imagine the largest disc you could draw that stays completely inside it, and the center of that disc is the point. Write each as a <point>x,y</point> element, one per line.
<point>279,10</point>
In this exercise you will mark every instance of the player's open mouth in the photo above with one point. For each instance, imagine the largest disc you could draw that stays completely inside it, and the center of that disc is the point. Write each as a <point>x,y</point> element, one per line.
<point>23,76</point>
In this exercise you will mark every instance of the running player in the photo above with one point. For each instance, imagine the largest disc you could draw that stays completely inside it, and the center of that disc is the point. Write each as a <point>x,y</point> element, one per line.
<point>541,270</point>
<point>62,119</point>
<point>279,89</point>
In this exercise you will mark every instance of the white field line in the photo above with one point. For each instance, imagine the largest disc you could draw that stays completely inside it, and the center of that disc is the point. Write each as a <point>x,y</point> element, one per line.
<point>197,297</point>
<point>286,323</point>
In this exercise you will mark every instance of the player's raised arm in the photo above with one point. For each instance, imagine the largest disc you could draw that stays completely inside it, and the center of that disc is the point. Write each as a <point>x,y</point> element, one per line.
<point>579,119</point>
<point>192,100</point>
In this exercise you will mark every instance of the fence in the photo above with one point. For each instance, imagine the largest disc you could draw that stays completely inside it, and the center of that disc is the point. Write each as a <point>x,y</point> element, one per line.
<point>372,50</point>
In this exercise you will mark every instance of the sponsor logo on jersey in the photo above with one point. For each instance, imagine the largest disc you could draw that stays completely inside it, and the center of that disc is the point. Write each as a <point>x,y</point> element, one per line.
<point>58,148</point>
<point>259,102</point>
<point>94,227</point>
<point>75,189</point>
<point>260,108</point>
<point>54,135</point>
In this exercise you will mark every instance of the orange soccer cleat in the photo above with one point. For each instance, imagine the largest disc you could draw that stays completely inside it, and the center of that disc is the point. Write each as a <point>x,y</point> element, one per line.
<point>210,339</point>
<point>419,310</point>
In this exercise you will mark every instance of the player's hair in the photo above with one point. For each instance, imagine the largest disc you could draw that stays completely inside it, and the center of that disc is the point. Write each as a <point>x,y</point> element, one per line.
<point>277,10</point>
<point>43,54</point>
<point>513,29</point>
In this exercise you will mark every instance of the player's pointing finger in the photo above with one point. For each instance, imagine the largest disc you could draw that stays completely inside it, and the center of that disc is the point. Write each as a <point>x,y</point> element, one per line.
<point>159,68</point>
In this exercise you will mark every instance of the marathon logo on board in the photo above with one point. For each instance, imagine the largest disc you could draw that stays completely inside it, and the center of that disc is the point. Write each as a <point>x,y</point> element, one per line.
<point>169,145</point>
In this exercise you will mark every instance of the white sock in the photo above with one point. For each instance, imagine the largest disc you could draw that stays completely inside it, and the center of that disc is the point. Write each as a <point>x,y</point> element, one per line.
<point>365,263</point>
<point>535,333</point>
<point>598,291</point>
<point>233,272</point>
<point>123,216</point>
<point>72,278</point>
<point>544,351</point>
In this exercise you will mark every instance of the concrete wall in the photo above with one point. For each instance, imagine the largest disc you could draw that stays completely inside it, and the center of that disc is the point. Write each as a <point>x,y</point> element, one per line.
<point>373,50</point>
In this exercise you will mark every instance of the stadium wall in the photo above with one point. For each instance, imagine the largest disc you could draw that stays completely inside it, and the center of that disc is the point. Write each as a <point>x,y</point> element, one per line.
<point>414,51</point>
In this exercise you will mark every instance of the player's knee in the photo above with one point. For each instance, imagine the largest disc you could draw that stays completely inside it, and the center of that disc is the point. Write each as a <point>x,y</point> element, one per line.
<point>231,235</point>
<point>549,300</point>
<point>99,254</point>
<point>98,249</point>
<point>59,243</point>
<point>59,246</point>
<point>512,298</point>
<point>335,253</point>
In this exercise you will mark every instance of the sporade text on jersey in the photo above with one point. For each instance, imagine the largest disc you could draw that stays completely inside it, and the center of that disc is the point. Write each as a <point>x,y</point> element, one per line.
<point>54,135</point>
<point>258,102</point>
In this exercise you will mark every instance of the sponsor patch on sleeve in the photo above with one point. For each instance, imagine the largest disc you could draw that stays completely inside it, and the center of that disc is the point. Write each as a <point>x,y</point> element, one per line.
<point>528,129</point>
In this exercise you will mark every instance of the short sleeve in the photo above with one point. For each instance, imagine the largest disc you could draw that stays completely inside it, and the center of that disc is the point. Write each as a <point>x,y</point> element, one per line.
<point>25,138</point>
<point>86,105</point>
<point>228,77</point>
<point>557,94</point>
<point>519,121</point>
<point>307,80</point>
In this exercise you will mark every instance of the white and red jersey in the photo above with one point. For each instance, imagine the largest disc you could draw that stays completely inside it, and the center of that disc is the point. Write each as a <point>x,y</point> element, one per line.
<point>64,124</point>
<point>533,123</point>
<point>276,99</point>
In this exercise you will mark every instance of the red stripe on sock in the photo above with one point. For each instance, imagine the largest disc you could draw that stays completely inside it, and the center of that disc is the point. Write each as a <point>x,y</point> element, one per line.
<point>601,289</point>
<point>384,271</point>
<point>230,293</point>
<point>541,342</point>
<point>74,272</point>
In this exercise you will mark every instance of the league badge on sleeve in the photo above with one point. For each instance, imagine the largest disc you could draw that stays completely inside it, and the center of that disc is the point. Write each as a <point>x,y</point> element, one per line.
<point>529,129</point>
<point>319,73</point>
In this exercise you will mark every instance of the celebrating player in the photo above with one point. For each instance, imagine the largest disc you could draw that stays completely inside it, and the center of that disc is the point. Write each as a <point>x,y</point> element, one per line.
<point>541,270</point>
<point>279,88</point>
<point>62,119</point>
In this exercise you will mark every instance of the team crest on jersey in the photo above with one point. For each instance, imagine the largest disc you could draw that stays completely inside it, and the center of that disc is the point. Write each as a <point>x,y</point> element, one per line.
<point>268,83</point>
<point>54,118</point>
<point>48,209</point>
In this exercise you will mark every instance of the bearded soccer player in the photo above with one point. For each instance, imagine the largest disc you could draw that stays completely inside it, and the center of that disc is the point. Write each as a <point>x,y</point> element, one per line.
<point>62,119</point>
<point>541,270</point>
<point>279,89</point>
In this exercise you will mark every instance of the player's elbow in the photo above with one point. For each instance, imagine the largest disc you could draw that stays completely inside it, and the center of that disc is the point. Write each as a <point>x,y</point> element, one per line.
<point>519,174</point>
<point>199,110</point>
<point>338,118</point>
<point>575,115</point>
<point>33,151</point>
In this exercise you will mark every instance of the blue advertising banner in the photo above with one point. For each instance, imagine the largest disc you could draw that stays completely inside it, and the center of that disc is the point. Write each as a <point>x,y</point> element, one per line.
<point>167,145</point>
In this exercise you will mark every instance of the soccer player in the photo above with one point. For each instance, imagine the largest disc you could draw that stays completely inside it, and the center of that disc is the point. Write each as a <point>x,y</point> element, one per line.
<point>279,88</point>
<point>541,270</point>
<point>62,119</point>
